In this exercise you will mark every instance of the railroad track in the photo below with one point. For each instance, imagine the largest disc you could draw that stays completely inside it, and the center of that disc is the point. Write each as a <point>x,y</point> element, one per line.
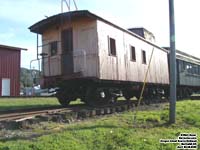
<point>30,114</point>
<point>24,118</point>
<point>57,114</point>
<point>36,109</point>
<point>2,112</point>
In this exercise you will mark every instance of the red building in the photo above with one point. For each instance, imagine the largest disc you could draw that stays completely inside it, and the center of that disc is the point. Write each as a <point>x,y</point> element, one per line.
<point>10,70</point>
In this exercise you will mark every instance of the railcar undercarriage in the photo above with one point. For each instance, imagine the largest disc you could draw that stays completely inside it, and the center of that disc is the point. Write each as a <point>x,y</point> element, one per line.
<point>103,92</point>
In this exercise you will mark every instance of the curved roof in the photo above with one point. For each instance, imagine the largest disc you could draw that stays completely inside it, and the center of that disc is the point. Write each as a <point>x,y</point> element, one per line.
<point>40,26</point>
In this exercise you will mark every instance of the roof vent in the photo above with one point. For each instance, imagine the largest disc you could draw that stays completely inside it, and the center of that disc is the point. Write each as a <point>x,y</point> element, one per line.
<point>143,33</point>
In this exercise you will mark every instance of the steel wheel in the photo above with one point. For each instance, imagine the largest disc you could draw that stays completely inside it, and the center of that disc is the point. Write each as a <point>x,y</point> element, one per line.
<point>62,98</point>
<point>98,96</point>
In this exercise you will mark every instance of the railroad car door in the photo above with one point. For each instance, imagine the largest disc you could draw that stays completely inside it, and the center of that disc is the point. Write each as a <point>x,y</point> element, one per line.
<point>67,51</point>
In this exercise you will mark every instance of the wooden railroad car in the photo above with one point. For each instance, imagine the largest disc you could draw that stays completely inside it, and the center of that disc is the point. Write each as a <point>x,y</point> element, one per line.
<point>91,58</point>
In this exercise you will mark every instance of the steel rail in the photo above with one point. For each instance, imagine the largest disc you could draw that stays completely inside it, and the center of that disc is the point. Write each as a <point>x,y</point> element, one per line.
<point>16,116</point>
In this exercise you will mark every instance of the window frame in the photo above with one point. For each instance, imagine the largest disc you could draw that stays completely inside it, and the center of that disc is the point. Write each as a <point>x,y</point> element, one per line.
<point>53,46</point>
<point>131,53</point>
<point>144,58</point>
<point>110,47</point>
<point>198,69</point>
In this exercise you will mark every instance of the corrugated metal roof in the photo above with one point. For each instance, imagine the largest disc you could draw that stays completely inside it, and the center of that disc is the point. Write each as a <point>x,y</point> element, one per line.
<point>12,47</point>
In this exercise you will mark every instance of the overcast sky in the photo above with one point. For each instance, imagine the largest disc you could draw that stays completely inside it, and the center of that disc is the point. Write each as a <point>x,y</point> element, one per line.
<point>17,15</point>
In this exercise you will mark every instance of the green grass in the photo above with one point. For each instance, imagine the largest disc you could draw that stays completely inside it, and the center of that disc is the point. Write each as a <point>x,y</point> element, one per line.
<point>114,132</point>
<point>20,103</point>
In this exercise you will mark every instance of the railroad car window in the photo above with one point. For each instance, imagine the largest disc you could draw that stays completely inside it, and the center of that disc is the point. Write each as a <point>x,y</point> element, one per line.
<point>189,67</point>
<point>53,48</point>
<point>196,69</point>
<point>144,57</point>
<point>184,66</point>
<point>112,47</point>
<point>199,70</point>
<point>181,65</point>
<point>132,53</point>
<point>192,69</point>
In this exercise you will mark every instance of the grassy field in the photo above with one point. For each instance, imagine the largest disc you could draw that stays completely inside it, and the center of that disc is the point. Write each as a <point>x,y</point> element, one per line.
<point>20,103</point>
<point>114,132</point>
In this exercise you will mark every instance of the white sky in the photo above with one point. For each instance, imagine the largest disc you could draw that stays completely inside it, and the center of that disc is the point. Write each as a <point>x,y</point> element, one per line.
<point>17,15</point>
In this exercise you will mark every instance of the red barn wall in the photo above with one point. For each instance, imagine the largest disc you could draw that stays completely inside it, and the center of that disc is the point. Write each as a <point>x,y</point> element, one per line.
<point>10,68</point>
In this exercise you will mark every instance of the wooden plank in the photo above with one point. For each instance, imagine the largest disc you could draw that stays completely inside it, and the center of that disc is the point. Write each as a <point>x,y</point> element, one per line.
<point>121,67</point>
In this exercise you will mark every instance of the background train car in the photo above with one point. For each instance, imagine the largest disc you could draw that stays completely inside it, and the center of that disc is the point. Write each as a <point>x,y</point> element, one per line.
<point>93,59</point>
<point>188,74</point>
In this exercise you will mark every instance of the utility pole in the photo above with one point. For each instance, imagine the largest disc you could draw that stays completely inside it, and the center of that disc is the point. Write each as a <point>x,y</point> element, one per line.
<point>172,109</point>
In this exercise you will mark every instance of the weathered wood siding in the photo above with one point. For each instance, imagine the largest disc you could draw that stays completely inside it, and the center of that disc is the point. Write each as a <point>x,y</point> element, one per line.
<point>85,48</point>
<point>121,67</point>
<point>52,64</point>
<point>91,53</point>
